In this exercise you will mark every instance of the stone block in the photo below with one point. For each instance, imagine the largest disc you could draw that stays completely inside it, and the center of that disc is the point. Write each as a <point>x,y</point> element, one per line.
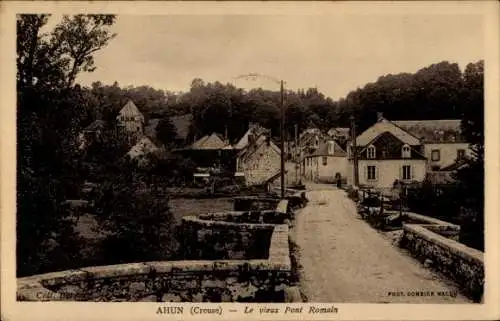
<point>149,298</point>
<point>137,288</point>
<point>209,282</point>
<point>170,297</point>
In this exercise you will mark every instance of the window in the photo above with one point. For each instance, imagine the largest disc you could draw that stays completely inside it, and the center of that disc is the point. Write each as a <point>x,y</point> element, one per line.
<point>405,151</point>
<point>460,153</point>
<point>435,155</point>
<point>370,152</point>
<point>406,172</point>
<point>325,160</point>
<point>371,173</point>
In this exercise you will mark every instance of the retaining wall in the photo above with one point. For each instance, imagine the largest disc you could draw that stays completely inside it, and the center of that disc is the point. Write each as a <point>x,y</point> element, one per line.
<point>259,280</point>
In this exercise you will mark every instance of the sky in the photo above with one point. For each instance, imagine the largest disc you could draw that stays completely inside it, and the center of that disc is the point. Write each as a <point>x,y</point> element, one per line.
<point>335,53</point>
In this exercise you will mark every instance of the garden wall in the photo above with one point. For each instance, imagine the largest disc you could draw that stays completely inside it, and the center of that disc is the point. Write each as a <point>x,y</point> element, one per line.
<point>463,264</point>
<point>259,280</point>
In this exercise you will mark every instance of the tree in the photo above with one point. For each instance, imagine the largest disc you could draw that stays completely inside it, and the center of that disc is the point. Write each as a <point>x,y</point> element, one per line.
<point>166,132</point>
<point>140,226</point>
<point>49,114</point>
<point>471,175</point>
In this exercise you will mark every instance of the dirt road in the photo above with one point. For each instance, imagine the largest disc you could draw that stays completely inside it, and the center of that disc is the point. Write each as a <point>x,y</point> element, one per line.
<point>343,259</point>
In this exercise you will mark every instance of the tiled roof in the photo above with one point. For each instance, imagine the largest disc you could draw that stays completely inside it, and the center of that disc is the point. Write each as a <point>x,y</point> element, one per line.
<point>251,148</point>
<point>257,131</point>
<point>96,125</point>
<point>386,126</point>
<point>343,131</point>
<point>144,146</point>
<point>322,150</point>
<point>433,131</point>
<point>130,110</point>
<point>213,141</point>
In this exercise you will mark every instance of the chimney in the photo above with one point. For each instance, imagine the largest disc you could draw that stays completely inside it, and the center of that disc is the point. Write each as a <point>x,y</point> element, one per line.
<point>251,138</point>
<point>331,147</point>
<point>380,116</point>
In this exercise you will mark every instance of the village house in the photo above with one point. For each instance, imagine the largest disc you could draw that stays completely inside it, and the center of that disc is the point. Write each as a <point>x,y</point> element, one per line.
<point>144,147</point>
<point>258,157</point>
<point>131,120</point>
<point>444,145</point>
<point>339,133</point>
<point>210,151</point>
<point>326,164</point>
<point>386,153</point>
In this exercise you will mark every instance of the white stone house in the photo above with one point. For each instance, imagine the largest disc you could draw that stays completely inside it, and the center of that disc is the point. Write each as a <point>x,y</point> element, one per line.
<point>444,144</point>
<point>258,158</point>
<point>326,163</point>
<point>387,153</point>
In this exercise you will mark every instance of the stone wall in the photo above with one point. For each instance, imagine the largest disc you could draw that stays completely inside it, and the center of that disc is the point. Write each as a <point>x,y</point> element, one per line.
<point>446,229</point>
<point>463,264</point>
<point>254,203</point>
<point>258,280</point>
<point>216,240</point>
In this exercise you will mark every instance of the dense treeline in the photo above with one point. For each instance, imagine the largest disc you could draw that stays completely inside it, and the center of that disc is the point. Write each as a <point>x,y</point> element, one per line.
<point>438,91</point>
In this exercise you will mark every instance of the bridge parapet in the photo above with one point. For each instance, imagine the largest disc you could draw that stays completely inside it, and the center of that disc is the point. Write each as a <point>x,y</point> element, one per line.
<point>437,245</point>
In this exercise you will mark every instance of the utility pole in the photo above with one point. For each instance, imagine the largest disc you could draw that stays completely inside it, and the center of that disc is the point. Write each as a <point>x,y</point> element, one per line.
<point>354,151</point>
<point>296,129</point>
<point>282,143</point>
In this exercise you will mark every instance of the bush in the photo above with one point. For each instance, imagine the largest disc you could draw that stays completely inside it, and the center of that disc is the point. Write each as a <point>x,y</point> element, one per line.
<point>140,226</point>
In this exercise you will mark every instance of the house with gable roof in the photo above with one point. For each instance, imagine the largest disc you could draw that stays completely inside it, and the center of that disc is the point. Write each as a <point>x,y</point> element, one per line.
<point>387,153</point>
<point>258,157</point>
<point>444,144</point>
<point>209,151</point>
<point>407,150</point>
<point>327,163</point>
<point>144,147</point>
<point>130,119</point>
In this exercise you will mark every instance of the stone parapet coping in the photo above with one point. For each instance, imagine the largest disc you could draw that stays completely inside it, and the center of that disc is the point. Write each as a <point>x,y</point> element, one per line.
<point>229,214</point>
<point>467,253</point>
<point>430,220</point>
<point>233,225</point>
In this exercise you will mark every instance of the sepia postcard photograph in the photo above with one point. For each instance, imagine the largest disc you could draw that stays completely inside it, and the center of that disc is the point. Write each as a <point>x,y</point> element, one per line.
<point>259,160</point>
